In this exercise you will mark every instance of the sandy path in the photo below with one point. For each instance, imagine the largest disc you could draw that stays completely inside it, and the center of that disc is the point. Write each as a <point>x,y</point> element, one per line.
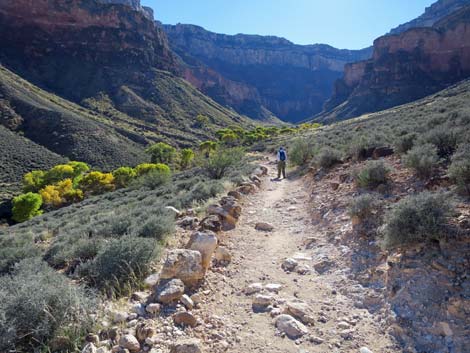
<point>257,257</point>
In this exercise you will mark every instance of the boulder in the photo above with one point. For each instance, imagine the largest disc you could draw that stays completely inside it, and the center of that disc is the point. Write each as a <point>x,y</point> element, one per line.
<point>290,326</point>
<point>264,227</point>
<point>153,308</point>
<point>228,221</point>
<point>186,346</point>
<point>205,243</point>
<point>300,311</point>
<point>152,280</point>
<point>169,291</point>
<point>185,318</point>
<point>246,189</point>
<point>187,302</point>
<point>230,205</point>
<point>260,171</point>
<point>253,288</point>
<point>263,300</point>
<point>235,194</point>
<point>212,223</point>
<point>188,222</point>
<point>130,342</point>
<point>380,152</point>
<point>184,264</point>
<point>273,287</point>
<point>365,350</point>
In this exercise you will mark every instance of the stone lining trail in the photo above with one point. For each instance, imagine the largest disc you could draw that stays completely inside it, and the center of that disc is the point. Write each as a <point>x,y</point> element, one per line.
<point>321,289</point>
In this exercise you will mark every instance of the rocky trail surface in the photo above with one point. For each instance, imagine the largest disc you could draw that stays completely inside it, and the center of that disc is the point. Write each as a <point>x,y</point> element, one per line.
<point>287,288</point>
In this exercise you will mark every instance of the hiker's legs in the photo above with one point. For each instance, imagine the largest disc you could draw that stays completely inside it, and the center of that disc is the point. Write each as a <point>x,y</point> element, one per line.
<point>279,169</point>
<point>284,170</point>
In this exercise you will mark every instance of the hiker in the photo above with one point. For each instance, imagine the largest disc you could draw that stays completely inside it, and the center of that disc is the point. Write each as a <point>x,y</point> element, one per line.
<point>281,163</point>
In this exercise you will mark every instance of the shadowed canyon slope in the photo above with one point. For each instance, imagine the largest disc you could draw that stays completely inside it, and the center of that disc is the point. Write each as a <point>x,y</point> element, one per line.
<point>261,76</point>
<point>404,68</point>
<point>111,59</point>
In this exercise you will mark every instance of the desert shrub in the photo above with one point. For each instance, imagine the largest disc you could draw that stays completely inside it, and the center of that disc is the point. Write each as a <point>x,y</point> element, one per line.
<point>123,176</point>
<point>96,183</point>
<point>26,206</point>
<point>37,304</point>
<point>404,143</point>
<point>374,174</point>
<point>359,147</point>
<point>423,159</point>
<point>162,153</point>
<point>417,218</point>
<point>33,181</point>
<point>60,194</point>
<point>79,168</point>
<point>146,168</point>
<point>218,164</point>
<point>201,192</point>
<point>58,173</point>
<point>158,225</point>
<point>301,151</point>
<point>187,157</point>
<point>327,157</point>
<point>13,249</point>
<point>444,138</point>
<point>153,178</point>
<point>362,207</point>
<point>72,249</point>
<point>121,265</point>
<point>202,121</point>
<point>459,170</point>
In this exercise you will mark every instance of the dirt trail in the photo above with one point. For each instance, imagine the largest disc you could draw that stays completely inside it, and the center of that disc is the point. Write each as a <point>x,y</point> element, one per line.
<point>340,326</point>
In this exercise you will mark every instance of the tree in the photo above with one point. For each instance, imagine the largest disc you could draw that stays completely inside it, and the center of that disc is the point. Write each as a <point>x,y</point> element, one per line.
<point>79,168</point>
<point>187,156</point>
<point>26,206</point>
<point>202,120</point>
<point>61,193</point>
<point>229,138</point>
<point>161,153</point>
<point>58,173</point>
<point>208,147</point>
<point>218,164</point>
<point>123,176</point>
<point>97,183</point>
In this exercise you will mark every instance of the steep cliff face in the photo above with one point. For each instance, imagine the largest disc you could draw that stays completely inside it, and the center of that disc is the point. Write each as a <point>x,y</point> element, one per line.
<point>432,14</point>
<point>404,68</point>
<point>109,58</point>
<point>260,76</point>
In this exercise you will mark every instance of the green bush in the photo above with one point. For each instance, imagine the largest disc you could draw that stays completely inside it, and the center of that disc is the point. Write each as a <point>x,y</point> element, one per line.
<point>121,265</point>
<point>96,183</point>
<point>33,181</point>
<point>37,304</point>
<point>219,164</point>
<point>146,168</point>
<point>187,157</point>
<point>13,249</point>
<point>158,226</point>
<point>359,147</point>
<point>123,176</point>
<point>374,174</point>
<point>152,179</point>
<point>301,151</point>
<point>423,159</point>
<point>201,192</point>
<point>327,158</point>
<point>417,218</point>
<point>162,153</point>
<point>68,250</point>
<point>444,138</point>
<point>459,170</point>
<point>362,207</point>
<point>26,206</point>
<point>404,143</point>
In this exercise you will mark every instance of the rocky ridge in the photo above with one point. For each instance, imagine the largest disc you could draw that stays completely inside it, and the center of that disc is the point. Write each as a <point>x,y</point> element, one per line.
<point>404,68</point>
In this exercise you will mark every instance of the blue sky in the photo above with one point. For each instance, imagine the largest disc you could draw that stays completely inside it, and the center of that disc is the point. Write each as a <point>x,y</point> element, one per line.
<point>350,24</point>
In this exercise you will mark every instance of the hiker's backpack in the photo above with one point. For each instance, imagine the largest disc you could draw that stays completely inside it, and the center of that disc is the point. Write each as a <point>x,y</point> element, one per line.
<point>282,155</point>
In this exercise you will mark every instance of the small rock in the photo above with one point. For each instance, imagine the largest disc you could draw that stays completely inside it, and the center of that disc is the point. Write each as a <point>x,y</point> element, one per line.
<point>235,194</point>
<point>262,300</point>
<point>129,342</point>
<point>273,287</point>
<point>184,264</point>
<point>303,269</point>
<point>365,350</point>
<point>289,265</point>
<point>212,223</point>
<point>169,291</point>
<point>205,243</point>
<point>196,298</point>
<point>184,318</point>
<point>291,327</point>
<point>343,325</point>
<point>120,316</point>
<point>264,227</point>
<point>153,308</point>
<point>316,340</point>
<point>186,346</point>
<point>253,288</point>
<point>222,255</point>
<point>152,280</point>
<point>187,302</point>
<point>89,348</point>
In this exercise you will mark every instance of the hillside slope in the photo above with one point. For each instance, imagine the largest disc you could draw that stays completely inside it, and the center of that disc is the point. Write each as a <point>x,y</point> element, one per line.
<point>109,58</point>
<point>260,76</point>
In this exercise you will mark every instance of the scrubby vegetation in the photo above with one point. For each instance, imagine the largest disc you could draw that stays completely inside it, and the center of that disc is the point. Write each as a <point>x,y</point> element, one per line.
<point>423,159</point>
<point>372,175</point>
<point>417,218</point>
<point>459,170</point>
<point>362,207</point>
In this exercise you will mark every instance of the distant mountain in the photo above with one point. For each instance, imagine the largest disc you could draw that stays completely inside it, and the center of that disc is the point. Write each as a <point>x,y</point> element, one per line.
<point>260,76</point>
<point>114,61</point>
<point>432,14</point>
<point>404,68</point>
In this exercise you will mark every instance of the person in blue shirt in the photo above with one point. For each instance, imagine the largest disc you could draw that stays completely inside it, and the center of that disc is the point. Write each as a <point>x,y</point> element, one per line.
<point>281,163</point>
